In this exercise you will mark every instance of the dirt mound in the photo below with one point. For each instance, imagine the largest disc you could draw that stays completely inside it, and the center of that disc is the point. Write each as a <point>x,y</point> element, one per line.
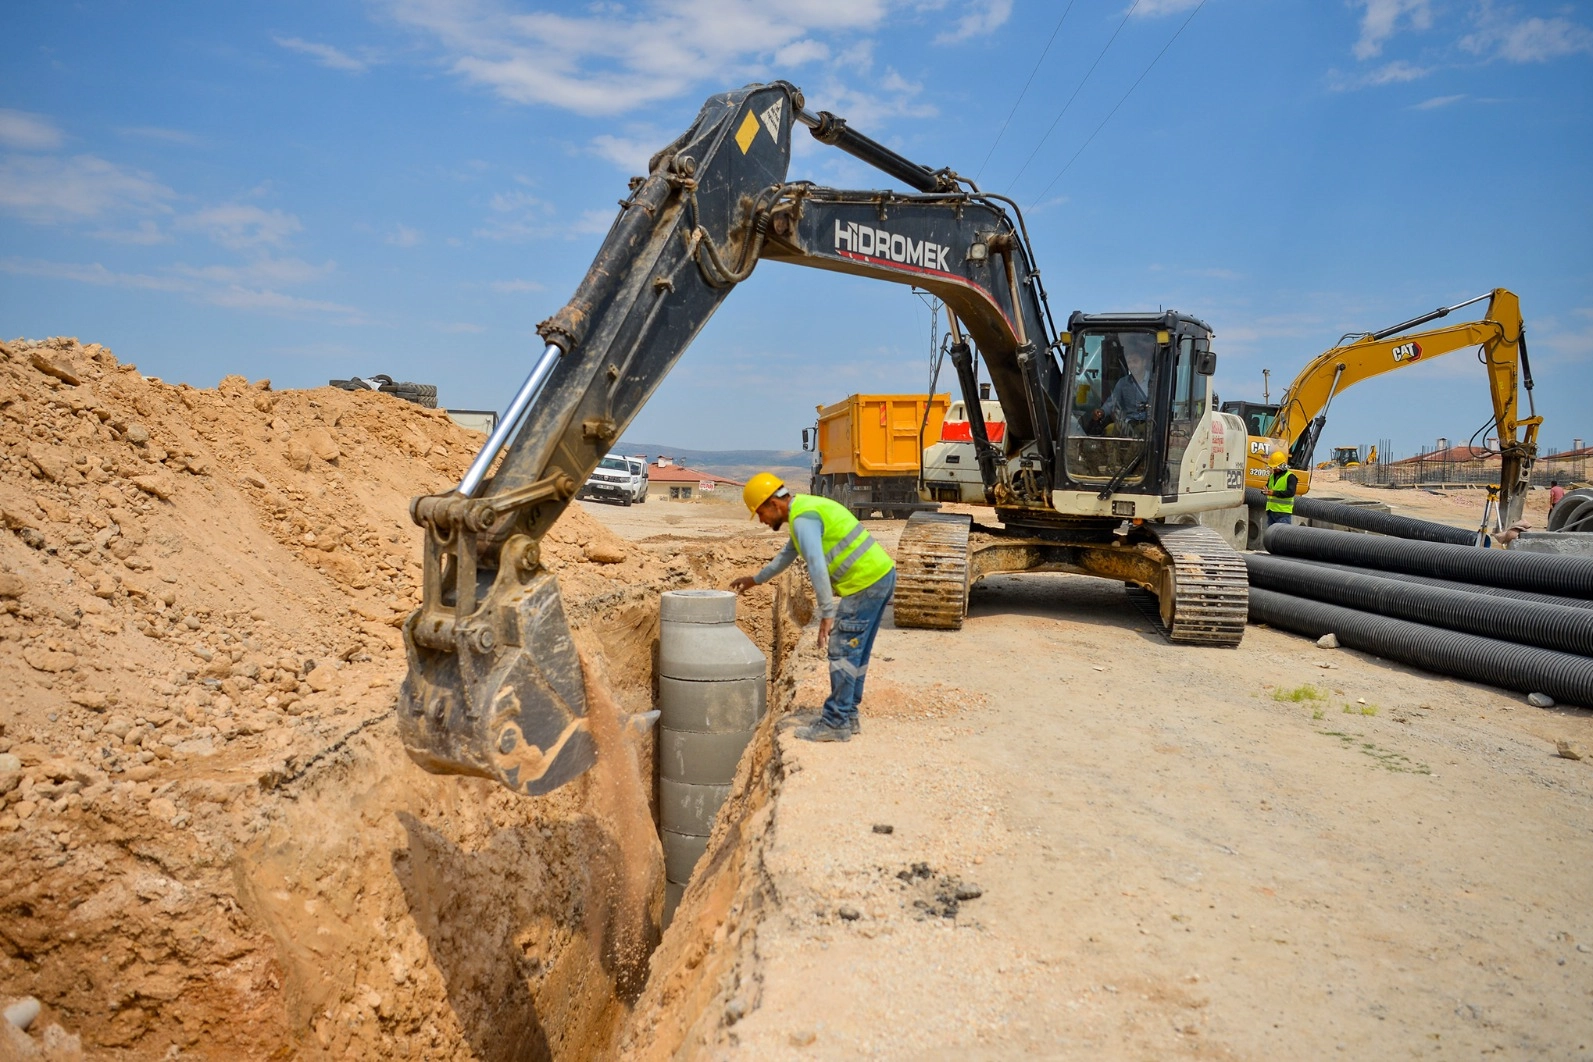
<point>210,838</point>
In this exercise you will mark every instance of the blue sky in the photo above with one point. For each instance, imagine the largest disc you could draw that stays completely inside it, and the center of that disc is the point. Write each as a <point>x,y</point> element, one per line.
<point>306,190</point>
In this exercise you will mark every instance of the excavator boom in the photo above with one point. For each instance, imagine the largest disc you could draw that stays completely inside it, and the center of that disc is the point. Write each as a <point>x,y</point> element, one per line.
<point>495,686</point>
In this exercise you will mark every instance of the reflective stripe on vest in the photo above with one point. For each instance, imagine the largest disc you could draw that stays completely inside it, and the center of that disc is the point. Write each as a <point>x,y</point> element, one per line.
<point>854,560</point>
<point>1277,482</point>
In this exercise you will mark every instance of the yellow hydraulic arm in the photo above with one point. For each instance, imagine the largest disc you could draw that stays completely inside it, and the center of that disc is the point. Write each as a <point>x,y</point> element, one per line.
<point>1501,338</point>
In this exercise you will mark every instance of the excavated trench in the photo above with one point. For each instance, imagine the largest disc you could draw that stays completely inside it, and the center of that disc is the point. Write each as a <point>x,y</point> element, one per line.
<point>211,841</point>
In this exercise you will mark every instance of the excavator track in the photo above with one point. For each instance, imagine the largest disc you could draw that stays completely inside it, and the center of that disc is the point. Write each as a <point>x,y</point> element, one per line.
<point>1204,598</point>
<point>932,571</point>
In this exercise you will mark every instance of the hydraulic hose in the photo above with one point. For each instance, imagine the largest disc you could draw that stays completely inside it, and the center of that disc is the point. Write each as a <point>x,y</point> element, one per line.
<point>1569,630</point>
<point>1526,668</point>
<point>1540,572</point>
<point>1470,588</point>
<point>1367,519</point>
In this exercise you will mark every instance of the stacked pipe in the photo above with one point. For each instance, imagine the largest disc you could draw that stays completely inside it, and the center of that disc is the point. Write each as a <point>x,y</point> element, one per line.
<point>1511,637</point>
<point>712,689</point>
<point>1373,520</point>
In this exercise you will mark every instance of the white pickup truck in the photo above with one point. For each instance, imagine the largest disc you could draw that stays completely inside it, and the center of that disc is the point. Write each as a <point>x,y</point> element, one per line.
<point>618,478</point>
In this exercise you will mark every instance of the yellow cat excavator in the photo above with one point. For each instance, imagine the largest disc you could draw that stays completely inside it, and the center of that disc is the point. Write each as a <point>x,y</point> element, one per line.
<point>1295,424</point>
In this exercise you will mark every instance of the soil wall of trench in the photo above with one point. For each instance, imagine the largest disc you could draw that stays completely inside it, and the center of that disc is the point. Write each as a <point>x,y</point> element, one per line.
<point>212,844</point>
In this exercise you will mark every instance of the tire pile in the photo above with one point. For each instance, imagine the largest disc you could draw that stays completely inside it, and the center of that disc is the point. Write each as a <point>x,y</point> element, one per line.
<point>1521,621</point>
<point>418,393</point>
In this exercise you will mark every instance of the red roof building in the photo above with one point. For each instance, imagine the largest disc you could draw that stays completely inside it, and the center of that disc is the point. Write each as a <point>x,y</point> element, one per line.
<point>685,484</point>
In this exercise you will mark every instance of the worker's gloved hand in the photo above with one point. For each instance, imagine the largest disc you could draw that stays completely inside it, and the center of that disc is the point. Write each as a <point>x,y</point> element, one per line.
<point>825,626</point>
<point>742,583</point>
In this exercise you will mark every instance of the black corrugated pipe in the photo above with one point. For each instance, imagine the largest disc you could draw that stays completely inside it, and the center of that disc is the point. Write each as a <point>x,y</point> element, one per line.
<point>1370,520</point>
<point>1546,626</point>
<point>1543,573</point>
<point>1450,584</point>
<point>1526,668</point>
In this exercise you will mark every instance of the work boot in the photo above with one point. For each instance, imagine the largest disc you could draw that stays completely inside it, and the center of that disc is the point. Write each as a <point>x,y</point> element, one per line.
<point>822,732</point>
<point>856,725</point>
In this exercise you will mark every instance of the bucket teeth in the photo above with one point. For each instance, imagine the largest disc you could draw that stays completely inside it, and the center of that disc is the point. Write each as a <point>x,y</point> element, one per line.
<point>932,571</point>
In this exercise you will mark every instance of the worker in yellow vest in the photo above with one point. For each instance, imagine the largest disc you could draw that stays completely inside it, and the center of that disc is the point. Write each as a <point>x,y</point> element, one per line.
<point>1282,484</point>
<point>853,580</point>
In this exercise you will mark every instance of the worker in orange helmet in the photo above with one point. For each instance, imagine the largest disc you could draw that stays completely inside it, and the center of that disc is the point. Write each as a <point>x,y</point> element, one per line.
<point>853,580</point>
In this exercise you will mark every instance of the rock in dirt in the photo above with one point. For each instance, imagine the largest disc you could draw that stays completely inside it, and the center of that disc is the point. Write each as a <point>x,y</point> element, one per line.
<point>884,827</point>
<point>60,370</point>
<point>803,1037</point>
<point>12,585</point>
<point>322,444</point>
<point>1540,700</point>
<point>968,891</point>
<point>604,553</point>
<point>735,1010</point>
<point>1569,750</point>
<point>51,660</point>
<point>23,1012</point>
<point>849,913</point>
<point>1328,641</point>
<point>157,483</point>
<point>322,678</point>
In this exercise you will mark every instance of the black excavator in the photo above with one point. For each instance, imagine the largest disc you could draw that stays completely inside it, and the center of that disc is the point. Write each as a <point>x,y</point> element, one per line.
<point>1113,448</point>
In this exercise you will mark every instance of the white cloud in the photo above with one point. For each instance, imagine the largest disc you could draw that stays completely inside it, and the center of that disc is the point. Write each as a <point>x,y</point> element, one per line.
<point>1382,19</point>
<point>325,54</point>
<point>264,271</point>
<point>1526,40</point>
<point>629,153</point>
<point>979,18</point>
<point>216,286</point>
<point>147,233</point>
<point>50,190</point>
<point>28,132</point>
<point>240,226</point>
<point>462,328</point>
<point>1394,73</point>
<point>1437,102</point>
<point>404,236</point>
<point>611,59</point>
<point>1156,8</point>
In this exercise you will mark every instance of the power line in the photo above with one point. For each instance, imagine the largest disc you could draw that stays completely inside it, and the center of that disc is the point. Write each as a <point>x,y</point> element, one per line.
<point>1075,95</point>
<point>1120,103</point>
<point>1043,52</point>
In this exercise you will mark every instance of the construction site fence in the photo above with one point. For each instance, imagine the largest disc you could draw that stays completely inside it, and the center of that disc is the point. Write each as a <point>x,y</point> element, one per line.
<point>1438,473</point>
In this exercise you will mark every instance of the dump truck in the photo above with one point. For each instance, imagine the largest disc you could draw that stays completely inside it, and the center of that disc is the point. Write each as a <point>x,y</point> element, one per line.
<point>868,451</point>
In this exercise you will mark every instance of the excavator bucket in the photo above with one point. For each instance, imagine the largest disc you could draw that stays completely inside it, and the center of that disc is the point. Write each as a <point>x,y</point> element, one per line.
<point>512,711</point>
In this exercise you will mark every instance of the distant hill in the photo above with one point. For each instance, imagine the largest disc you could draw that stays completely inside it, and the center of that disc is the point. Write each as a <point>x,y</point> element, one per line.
<point>791,465</point>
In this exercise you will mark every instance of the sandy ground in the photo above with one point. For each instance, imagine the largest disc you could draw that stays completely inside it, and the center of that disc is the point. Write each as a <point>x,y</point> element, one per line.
<point>212,844</point>
<point>1272,852</point>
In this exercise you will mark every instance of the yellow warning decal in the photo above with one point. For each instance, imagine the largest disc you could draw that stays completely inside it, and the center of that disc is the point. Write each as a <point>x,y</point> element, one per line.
<point>747,133</point>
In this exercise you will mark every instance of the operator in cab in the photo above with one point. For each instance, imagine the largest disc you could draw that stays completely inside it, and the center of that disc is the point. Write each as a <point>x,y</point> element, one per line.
<point>1282,485</point>
<point>853,580</point>
<point>1125,408</point>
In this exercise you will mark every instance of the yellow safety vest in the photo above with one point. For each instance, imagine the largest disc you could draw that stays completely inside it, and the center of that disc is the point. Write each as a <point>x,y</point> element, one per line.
<point>1277,481</point>
<point>854,560</point>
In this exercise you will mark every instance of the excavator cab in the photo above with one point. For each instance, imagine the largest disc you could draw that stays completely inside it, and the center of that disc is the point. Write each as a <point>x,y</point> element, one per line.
<point>1136,386</point>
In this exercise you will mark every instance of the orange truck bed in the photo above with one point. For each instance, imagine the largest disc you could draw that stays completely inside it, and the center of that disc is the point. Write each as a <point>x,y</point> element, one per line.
<point>878,435</point>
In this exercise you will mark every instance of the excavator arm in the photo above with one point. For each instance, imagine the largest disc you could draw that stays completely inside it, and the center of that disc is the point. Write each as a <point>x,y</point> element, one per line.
<point>494,685</point>
<point>1500,337</point>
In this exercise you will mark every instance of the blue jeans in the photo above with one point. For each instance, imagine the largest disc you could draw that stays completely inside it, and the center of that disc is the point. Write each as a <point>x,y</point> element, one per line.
<point>851,641</point>
<point>1279,518</point>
